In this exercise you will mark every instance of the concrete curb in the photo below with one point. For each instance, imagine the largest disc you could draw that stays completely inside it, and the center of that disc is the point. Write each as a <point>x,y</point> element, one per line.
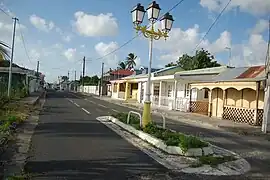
<point>23,141</point>
<point>175,150</point>
<point>179,163</point>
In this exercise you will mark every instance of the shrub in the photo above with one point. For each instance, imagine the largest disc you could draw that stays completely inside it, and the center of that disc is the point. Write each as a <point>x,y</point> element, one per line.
<point>214,161</point>
<point>170,138</point>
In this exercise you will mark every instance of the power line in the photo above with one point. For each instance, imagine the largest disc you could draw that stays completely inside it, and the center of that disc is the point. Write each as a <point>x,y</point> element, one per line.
<point>4,12</point>
<point>129,41</point>
<point>212,25</point>
<point>26,52</point>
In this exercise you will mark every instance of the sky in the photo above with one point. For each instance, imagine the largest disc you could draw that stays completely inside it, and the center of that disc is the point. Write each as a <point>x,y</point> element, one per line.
<point>60,33</point>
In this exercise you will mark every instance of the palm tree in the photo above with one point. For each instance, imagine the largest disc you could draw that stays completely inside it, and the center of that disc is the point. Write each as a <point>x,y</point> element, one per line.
<point>122,65</point>
<point>130,60</point>
<point>4,51</point>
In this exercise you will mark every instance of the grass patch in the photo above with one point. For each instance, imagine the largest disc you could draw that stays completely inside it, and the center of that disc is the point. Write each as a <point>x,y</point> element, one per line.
<point>170,138</point>
<point>24,176</point>
<point>11,115</point>
<point>214,161</point>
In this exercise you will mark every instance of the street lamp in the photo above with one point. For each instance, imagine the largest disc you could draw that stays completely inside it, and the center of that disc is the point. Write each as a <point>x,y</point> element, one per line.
<point>153,11</point>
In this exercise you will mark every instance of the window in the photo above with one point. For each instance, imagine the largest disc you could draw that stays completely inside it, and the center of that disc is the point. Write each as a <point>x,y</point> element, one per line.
<point>206,91</point>
<point>156,90</point>
<point>169,91</point>
<point>187,90</point>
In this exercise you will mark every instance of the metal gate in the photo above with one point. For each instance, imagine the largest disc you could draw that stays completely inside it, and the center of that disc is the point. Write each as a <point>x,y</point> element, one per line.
<point>182,104</point>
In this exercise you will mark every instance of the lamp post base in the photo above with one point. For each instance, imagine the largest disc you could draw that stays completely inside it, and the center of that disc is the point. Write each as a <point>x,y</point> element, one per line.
<point>146,118</point>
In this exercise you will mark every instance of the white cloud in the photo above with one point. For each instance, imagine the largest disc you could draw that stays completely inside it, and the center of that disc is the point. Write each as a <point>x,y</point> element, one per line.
<point>251,53</point>
<point>91,25</point>
<point>184,41</point>
<point>255,7</point>
<point>103,49</point>
<point>138,62</point>
<point>70,53</point>
<point>248,53</point>
<point>260,26</point>
<point>41,23</point>
<point>67,38</point>
<point>34,54</point>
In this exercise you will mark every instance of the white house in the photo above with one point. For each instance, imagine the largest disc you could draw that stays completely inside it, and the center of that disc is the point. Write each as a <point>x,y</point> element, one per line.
<point>170,88</point>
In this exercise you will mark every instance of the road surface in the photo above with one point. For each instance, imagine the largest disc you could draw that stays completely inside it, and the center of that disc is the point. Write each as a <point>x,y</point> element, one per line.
<point>69,143</point>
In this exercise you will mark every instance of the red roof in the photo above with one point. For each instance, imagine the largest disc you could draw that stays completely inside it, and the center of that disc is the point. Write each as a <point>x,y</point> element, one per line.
<point>123,72</point>
<point>251,72</point>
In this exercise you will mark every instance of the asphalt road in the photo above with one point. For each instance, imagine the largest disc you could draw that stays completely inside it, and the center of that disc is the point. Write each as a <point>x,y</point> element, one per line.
<point>257,153</point>
<point>69,143</point>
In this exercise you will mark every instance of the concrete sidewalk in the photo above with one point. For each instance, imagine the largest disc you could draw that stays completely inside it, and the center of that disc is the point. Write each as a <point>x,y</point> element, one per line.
<point>195,119</point>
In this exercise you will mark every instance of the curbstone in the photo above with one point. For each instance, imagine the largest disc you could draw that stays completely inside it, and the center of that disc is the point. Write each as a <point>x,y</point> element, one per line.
<point>174,162</point>
<point>175,150</point>
<point>194,152</point>
<point>207,151</point>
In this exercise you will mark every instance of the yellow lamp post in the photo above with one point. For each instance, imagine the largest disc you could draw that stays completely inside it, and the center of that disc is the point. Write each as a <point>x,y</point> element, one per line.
<point>153,11</point>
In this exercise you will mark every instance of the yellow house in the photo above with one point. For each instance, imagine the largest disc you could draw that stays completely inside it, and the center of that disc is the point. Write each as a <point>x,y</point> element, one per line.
<point>127,88</point>
<point>236,94</point>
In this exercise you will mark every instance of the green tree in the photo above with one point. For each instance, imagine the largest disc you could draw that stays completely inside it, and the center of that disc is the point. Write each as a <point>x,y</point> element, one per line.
<point>130,60</point>
<point>90,80</point>
<point>64,78</point>
<point>122,65</point>
<point>170,64</point>
<point>4,51</point>
<point>202,59</point>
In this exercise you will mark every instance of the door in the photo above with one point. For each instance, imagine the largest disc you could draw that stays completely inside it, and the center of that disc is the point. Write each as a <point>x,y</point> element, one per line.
<point>217,102</point>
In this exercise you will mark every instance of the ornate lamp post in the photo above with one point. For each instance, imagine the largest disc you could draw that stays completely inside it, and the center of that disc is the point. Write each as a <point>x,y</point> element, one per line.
<point>153,11</point>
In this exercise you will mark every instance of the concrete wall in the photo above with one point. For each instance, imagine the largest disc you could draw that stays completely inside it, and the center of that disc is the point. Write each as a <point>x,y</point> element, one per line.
<point>89,89</point>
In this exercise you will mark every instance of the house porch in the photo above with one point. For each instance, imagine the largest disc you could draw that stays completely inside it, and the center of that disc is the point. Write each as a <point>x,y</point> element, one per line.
<point>236,101</point>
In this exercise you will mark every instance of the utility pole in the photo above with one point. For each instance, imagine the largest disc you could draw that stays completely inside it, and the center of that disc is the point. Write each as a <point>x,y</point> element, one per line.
<point>266,109</point>
<point>12,55</point>
<point>68,74</point>
<point>101,80</point>
<point>75,82</point>
<point>37,72</point>
<point>83,72</point>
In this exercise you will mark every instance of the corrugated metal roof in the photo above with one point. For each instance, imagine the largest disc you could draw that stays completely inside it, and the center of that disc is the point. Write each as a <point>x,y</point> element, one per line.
<point>213,70</point>
<point>251,72</point>
<point>197,78</point>
<point>230,74</point>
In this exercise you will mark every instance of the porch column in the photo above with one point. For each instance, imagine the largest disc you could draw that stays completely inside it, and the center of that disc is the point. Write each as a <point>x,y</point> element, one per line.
<point>223,100</point>
<point>190,97</point>
<point>27,83</point>
<point>117,89</point>
<point>126,91</point>
<point>256,103</point>
<point>210,103</point>
<point>175,94</point>
<point>160,92</point>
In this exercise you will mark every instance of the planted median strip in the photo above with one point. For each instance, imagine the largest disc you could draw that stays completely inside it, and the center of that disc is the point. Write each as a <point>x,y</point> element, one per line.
<point>165,139</point>
<point>175,150</point>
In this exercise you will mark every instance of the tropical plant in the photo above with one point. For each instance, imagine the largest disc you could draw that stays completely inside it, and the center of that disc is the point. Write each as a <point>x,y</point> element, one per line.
<point>122,65</point>
<point>4,51</point>
<point>130,60</point>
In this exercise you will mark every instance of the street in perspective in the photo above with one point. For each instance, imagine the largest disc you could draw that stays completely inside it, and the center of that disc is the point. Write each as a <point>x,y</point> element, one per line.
<point>145,91</point>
